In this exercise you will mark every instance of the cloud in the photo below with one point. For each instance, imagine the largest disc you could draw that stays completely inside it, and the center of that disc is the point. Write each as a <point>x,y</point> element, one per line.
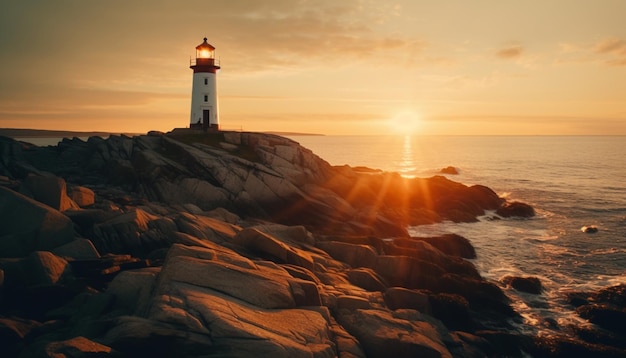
<point>611,45</point>
<point>253,36</point>
<point>510,52</point>
<point>614,50</point>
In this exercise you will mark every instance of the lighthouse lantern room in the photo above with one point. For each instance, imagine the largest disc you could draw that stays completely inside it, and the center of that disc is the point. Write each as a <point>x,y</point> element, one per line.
<point>204,108</point>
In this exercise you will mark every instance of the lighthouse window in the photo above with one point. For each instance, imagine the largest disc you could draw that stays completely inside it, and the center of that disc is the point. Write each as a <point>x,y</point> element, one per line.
<point>206,81</point>
<point>206,98</point>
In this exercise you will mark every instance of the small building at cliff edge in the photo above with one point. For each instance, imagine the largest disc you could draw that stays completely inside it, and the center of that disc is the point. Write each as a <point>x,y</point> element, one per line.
<point>204,105</point>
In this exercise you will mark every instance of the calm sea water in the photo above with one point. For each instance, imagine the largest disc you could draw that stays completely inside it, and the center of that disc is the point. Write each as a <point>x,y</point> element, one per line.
<point>571,181</point>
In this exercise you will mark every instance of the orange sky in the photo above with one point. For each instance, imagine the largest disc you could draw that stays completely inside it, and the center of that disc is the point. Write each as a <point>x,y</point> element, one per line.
<point>331,67</point>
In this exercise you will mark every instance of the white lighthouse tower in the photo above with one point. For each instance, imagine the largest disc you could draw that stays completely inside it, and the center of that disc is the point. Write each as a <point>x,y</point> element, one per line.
<point>204,109</point>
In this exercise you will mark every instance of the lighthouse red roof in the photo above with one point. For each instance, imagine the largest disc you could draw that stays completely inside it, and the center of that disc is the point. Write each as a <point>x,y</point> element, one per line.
<point>205,45</point>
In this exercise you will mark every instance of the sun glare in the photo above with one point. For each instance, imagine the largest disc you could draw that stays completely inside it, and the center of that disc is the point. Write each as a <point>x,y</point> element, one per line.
<point>405,122</point>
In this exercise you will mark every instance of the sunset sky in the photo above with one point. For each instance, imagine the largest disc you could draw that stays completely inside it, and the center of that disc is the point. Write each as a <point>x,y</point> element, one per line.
<point>330,67</point>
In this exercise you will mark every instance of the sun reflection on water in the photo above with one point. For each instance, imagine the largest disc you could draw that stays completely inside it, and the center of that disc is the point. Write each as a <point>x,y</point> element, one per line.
<point>407,162</point>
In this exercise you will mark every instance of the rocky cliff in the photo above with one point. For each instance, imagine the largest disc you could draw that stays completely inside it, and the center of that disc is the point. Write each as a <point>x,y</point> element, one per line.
<point>234,245</point>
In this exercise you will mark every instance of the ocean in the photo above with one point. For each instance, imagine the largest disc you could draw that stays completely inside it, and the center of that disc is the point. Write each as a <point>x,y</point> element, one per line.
<point>571,181</point>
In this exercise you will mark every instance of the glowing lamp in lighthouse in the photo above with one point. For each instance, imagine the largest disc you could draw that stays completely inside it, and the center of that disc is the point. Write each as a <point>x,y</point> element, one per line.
<point>204,106</point>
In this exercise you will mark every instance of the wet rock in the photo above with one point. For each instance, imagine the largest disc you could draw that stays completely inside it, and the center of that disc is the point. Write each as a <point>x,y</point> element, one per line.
<point>589,229</point>
<point>507,344</point>
<point>524,284</point>
<point>453,310</point>
<point>562,346</point>
<point>593,335</point>
<point>449,170</point>
<point>480,294</point>
<point>615,295</point>
<point>423,251</point>
<point>577,299</point>
<point>516,209</point>
<point>604,315</point>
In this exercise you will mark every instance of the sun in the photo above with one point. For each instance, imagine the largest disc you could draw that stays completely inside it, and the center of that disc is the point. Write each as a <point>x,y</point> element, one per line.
<point>405,122</point>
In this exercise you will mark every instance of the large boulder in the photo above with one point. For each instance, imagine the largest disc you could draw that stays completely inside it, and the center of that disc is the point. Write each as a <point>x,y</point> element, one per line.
<point>524,284</point>
<point>35,284</point>
<point>450,244</point>
<point>42,268</point>
<point>135,336</point>
<point>409,272</point>
<point>206,301</point>
<point>236,281</point>
<point>135,231</point>
<point>403,333</point>
<point>27,281</point>
<point>607,316</point>
<point>79,249</point>
<point>480,294</point>
<point>49,190</point>
<point>453,310</point>
<point>239,330</point>
<point>81,196</point>
<point>366,278</point>
<point>132,289</point>
<point>28,225</point>
<point>422,250</point>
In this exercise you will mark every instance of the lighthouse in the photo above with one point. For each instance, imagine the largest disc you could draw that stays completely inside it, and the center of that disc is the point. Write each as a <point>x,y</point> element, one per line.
<point>204,108</point>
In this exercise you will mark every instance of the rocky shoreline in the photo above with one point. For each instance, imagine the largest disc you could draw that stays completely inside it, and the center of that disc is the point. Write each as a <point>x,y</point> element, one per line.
<point>239,244</point>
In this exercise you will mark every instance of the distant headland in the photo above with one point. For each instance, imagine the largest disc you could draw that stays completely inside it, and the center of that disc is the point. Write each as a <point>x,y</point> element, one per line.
<point>45,133</point>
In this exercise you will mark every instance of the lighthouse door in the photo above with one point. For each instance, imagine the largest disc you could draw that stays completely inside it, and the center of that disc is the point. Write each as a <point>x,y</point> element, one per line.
<point>205,119</point>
